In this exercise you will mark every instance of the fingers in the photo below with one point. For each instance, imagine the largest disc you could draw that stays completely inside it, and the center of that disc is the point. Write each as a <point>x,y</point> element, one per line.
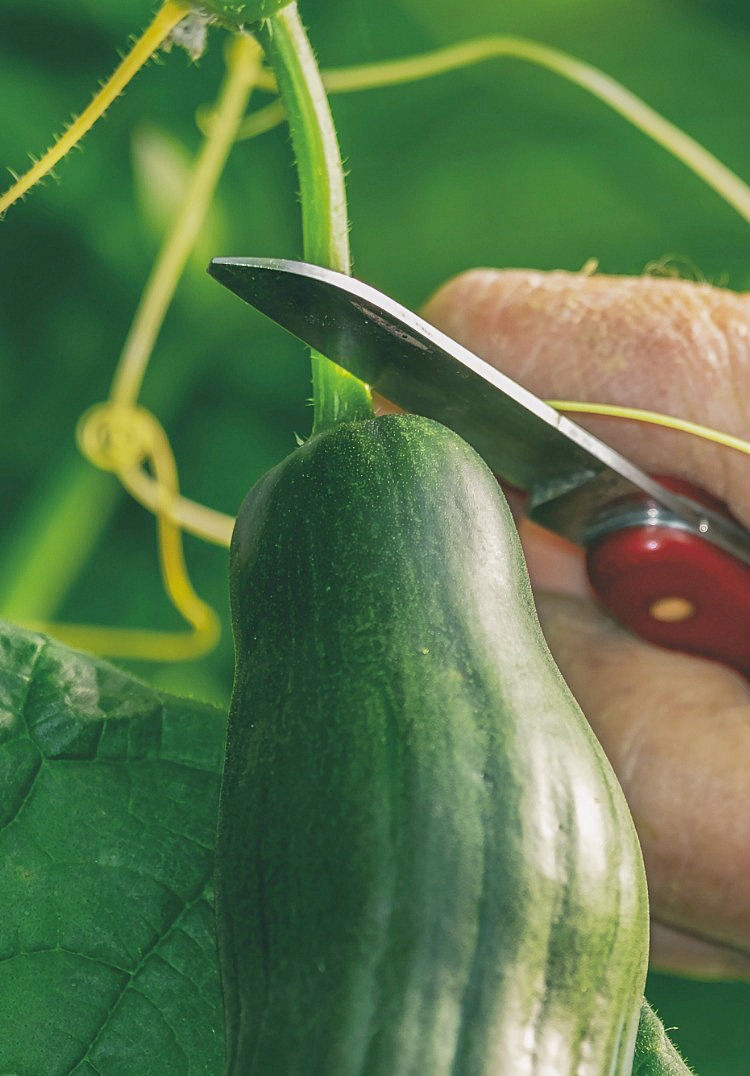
<point>680,954</point>
<point>677,731</point>
<point>665,345</point>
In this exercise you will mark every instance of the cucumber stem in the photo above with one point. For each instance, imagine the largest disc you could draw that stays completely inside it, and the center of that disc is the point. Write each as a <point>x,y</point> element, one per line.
<point>337,395</point>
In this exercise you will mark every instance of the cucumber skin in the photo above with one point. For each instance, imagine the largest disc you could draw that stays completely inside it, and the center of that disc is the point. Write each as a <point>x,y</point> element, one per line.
<point>425,862</point>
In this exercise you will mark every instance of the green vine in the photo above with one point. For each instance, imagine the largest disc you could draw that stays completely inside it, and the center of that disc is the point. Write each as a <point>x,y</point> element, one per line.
<point>337,395</point>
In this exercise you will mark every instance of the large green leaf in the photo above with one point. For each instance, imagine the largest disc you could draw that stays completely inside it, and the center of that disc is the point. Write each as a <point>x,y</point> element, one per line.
<point>108,798</point>
<point>108,794</point>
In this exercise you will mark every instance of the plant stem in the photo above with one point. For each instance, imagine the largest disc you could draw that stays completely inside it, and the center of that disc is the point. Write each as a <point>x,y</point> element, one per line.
<point>337,395</point>
<point>655,1054</point>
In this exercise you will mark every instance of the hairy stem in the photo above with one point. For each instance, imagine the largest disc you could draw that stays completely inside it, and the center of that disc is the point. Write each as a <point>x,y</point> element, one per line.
<point>337,395</point>
<point>170,14</point>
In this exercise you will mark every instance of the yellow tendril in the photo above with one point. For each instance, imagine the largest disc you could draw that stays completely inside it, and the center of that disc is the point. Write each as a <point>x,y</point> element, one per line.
<point>172,13</point>
<point>194,518</point>
<point>612,93</point>
<point>257,123</point>
<point>243,65</point>
<point>654,418</point>
<point>126,439</point>
<point>121,438</point>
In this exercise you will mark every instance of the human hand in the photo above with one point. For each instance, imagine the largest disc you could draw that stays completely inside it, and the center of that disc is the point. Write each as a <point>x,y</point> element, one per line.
<point>676,728</point>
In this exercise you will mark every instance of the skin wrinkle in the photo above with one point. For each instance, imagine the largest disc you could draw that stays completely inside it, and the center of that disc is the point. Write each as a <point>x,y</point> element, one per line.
<point>676,729</point>
<point>711,710</point>
<point>663,329</point>
<point>681,955</point>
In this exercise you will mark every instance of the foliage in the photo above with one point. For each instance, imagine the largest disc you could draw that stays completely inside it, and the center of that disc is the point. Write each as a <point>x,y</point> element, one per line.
<point>505,166</point>
<point>109,798</point>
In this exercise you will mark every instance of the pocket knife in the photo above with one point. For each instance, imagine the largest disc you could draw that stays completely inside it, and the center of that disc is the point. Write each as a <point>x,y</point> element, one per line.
<point>664,558</point>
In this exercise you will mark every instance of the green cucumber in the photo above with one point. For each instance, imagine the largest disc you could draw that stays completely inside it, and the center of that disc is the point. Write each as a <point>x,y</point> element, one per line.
<point>425,863</point>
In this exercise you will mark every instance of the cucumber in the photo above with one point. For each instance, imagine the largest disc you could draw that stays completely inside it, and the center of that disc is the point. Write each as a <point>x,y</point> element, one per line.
<point>425,862</point>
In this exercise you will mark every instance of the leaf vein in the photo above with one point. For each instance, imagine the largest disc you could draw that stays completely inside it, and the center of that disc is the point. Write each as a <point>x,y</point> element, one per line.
<point>197,896</point>
<point>28,791</point>
<point>32,672</point>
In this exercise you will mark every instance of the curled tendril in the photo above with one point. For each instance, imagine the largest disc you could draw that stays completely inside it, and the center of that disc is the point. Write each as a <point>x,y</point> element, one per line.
<point>121,438</point>
<point>125,439</point>
<point>115,437</point>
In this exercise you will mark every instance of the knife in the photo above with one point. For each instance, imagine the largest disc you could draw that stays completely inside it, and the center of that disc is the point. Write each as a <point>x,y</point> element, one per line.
<point>666,559</point>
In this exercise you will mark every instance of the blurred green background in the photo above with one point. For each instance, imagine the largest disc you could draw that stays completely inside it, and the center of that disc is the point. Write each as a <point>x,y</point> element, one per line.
<point>503,164</point>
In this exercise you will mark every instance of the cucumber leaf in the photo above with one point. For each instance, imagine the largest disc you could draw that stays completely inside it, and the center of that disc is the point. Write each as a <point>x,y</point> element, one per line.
<point>108,800</point>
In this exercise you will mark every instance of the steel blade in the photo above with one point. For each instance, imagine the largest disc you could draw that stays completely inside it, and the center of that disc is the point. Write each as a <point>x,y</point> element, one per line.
<point>569,473</point>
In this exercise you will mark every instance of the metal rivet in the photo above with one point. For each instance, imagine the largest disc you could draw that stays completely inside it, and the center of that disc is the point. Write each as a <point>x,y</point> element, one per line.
<point>672,610</point>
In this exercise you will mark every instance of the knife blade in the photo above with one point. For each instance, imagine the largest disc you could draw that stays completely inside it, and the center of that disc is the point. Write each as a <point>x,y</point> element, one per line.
<point>570,475</point>
<point>663,557</point>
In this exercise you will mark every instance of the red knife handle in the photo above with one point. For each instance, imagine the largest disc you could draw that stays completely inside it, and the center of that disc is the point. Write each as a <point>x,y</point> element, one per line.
<point>673,588</point>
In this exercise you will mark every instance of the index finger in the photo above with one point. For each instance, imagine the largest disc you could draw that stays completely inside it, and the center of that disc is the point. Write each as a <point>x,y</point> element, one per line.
<point>666,345</point>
